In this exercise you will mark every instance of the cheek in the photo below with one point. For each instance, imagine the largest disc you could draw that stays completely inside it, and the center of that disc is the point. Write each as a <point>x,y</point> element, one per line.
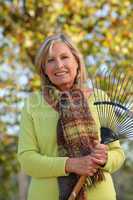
<point>48,71</point>
<point>74,69</point>
<point>74,73</point>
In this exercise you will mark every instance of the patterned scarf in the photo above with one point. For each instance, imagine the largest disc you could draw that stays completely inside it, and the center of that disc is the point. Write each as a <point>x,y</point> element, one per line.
<point>76,131</point>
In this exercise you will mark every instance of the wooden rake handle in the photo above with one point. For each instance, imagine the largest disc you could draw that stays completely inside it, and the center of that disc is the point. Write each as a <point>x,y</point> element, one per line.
<point>77,188</point>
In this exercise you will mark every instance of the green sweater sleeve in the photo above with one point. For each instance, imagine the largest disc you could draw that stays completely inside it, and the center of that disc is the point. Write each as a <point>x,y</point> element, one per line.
<point>32,162</point>
<point>116,157</point>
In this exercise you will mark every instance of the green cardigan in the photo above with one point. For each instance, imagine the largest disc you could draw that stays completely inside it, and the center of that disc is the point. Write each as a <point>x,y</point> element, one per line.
<point>38,155</point>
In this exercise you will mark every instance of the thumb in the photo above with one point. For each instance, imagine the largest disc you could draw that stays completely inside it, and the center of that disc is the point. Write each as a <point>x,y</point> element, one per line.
<point>96,143</point>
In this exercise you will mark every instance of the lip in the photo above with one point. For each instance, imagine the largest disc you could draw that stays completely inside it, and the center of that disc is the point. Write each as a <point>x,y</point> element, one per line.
<point>60,73</point>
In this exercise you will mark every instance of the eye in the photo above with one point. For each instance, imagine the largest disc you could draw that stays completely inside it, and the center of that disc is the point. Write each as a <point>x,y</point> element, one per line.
<point>50,60</point>
<point>64,57</point>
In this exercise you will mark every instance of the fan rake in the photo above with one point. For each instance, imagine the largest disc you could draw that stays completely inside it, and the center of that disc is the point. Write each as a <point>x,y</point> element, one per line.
<point>114,102</point>
<point>113,98</point>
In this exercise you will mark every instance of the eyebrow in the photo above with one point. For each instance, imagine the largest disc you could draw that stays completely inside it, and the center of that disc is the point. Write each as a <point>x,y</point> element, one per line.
<point>62,54</point>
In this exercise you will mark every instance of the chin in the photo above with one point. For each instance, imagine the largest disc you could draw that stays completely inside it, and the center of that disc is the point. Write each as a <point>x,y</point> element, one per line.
<point>64,85</point>
<point>62,82</point>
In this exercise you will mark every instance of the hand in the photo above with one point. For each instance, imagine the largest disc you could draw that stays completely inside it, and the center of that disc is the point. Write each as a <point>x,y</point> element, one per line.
<point>86,165</point>
<point>100,153</point>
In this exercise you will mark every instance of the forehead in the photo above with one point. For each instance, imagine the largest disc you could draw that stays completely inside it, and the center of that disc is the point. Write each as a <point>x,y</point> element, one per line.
<point>58,48</point>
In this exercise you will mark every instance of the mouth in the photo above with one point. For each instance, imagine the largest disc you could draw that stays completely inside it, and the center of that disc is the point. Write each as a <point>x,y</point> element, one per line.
<point>61,73</point>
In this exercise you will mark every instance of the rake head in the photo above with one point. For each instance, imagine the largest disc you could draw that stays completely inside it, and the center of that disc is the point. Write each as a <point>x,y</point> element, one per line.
<point>113,93</point>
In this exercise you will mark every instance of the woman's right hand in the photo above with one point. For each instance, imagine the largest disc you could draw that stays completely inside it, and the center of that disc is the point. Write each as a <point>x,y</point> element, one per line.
<point>86,165</point>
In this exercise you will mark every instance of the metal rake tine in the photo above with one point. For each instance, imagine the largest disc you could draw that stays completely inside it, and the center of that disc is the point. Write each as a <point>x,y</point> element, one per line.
<point>126,121</point>
<point>129,100</point>
<point>126,128</point>
<point>124,115</point>
<point>130,136</point>
<point>96,97</point>
<point>112,97</point>
<point>128,83</point>
<point>106,110</point>
<point>113,119</point>
<point>111,114</point>
<point>103,98</point>
<point>127,131</point>
<point>117,109</point>
<point>108,107</point>
<point>111,89</point>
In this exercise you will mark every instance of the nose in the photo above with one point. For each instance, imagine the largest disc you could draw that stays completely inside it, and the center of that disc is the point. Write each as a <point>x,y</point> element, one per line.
<point>59,63</point>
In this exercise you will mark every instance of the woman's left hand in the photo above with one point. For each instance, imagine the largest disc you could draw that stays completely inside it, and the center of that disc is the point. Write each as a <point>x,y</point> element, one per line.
<point>100,152</point>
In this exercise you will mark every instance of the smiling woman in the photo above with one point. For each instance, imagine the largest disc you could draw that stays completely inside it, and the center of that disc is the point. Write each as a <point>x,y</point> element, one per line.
<point>60,131</point>
<point>61,66</point>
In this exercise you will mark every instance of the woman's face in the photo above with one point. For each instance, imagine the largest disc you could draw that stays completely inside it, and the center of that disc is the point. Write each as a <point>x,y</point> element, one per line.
<point>61,66</point>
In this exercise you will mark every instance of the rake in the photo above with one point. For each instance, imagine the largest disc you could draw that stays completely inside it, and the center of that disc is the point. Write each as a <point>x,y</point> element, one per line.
<point>114,105</point>
<point>113,98</point>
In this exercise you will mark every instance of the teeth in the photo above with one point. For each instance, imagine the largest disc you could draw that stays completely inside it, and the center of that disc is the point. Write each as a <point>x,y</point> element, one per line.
<point>60,73</point>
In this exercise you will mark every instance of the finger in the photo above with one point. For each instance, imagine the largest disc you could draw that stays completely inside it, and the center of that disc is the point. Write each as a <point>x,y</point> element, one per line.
<point>97,161</point>
<point>100,151</point>
<point>101,146</point>
<point>99,156</point>
<point>102,159</point>
<point>96,143</point>
<point>94,170</point>
<point>105,147</point>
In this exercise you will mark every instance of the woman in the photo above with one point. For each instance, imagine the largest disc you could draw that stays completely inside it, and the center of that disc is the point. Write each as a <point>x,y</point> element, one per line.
<point>60,131</point>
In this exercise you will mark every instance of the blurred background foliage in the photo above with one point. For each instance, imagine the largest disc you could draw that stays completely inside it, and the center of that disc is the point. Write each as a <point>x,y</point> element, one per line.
<point>102,30</point>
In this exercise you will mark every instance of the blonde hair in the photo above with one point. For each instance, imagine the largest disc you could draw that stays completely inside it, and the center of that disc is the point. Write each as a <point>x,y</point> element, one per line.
<point>46,49</point>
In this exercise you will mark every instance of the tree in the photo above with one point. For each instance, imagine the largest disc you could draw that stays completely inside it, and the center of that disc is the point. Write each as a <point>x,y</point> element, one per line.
<point>102,30</point>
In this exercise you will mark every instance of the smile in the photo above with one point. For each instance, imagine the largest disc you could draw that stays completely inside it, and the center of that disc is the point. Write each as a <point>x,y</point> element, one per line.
<point>61,73</point>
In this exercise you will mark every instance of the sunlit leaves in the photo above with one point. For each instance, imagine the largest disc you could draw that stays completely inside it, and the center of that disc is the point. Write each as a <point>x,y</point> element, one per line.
<point>103,31</point>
